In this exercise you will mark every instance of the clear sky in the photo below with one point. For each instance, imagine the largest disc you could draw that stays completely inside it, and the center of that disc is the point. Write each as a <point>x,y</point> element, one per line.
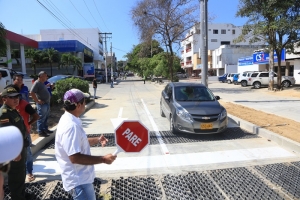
<point>28,17</point>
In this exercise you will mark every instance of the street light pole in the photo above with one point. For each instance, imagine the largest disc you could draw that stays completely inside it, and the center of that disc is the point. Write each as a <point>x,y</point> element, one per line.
<point>204,43</point>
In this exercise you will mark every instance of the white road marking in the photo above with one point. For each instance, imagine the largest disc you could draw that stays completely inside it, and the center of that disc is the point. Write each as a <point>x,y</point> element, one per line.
<point>117,121</point>
<point>163,146</point>
<point>176,160</point>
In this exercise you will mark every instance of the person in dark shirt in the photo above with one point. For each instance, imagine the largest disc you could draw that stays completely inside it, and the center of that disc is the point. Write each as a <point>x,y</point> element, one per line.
<point>95,87</point>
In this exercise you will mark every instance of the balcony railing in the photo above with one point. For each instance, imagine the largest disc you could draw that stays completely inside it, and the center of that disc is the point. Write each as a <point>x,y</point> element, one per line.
<point>188,62</point>
<point>188,50</point>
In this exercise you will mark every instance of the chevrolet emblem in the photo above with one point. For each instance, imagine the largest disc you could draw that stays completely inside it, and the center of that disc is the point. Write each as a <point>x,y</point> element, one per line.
<point>205,117</point>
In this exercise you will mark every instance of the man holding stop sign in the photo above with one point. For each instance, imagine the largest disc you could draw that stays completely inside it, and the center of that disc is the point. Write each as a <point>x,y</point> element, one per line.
<point>72,149</point>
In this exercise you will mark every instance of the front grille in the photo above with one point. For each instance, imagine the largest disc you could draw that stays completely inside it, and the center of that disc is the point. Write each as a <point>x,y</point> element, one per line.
<point>198,118</point>
<point>206,130</point>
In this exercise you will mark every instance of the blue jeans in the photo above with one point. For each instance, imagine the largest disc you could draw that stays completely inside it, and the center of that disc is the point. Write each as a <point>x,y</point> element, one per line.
<point>43,111</point>
<point>83,192</point>
<point>29,159</point>
<point>112,84</point>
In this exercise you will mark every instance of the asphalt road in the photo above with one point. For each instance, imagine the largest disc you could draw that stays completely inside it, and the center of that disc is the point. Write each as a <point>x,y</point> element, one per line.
<point>234,165</point>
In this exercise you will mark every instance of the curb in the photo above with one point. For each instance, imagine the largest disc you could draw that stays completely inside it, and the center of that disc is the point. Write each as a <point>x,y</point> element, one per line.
<point>40,142</point>
<point>271,136</point>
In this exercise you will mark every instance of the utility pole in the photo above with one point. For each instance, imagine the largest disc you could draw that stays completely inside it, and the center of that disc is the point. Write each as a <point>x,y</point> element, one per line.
<point>105,50</point>
<point>111,59</point>
<point>204,43</point>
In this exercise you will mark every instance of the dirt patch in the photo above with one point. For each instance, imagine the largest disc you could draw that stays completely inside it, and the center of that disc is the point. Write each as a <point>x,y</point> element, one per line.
<point>55,114</point>
<point>280,125</point>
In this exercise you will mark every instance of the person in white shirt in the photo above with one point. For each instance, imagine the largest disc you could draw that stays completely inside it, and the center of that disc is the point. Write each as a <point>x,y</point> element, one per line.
<point>72,149</point>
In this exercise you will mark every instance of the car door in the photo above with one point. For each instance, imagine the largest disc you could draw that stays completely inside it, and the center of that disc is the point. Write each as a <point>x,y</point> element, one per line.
<point>264,78</point>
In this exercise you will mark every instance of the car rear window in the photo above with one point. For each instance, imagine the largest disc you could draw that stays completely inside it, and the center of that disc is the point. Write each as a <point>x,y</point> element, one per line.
<point>264,75</point>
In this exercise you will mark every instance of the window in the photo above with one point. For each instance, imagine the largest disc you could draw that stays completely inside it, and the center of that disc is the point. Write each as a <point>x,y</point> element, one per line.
<point>214,40</point>
<point>233,31</point>
<point>215,31</point>
<point>198,31</point>
<point>254,74</point>
<point>264,75</point>
<point>223,31</point>
<point>225,42</point>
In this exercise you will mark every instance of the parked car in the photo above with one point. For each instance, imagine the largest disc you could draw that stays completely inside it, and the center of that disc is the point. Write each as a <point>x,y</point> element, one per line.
<point>235,79</point>
<point>56,78</point>
<point>7,75</point>
<point>245,78</point>
<point>181,75</point>
<point>262,79</point>
<point>230,78</point>
<point>100,78</point>
<point>223,78</point>
<point>192,108</point>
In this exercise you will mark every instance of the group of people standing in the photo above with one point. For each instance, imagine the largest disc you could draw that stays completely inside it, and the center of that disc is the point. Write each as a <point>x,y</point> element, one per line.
<point>17,111</point>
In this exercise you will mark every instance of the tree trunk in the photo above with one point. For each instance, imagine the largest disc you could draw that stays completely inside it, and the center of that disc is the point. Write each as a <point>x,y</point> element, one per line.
<point>279,71</point>
<point>271,70</point>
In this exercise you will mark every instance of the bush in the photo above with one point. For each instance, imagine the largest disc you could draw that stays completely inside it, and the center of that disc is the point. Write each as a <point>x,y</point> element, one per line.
<point>66,84</point>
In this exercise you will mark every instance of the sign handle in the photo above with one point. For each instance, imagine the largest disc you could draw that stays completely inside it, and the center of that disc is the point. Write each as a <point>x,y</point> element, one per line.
<point>117,151</point>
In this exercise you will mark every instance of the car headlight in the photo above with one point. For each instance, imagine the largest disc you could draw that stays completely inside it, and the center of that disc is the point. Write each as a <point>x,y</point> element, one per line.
<point>183,113</point>
<point>223,114</point>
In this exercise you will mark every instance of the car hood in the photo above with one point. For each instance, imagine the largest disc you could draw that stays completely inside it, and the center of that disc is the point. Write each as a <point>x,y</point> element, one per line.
<point>202,107</point>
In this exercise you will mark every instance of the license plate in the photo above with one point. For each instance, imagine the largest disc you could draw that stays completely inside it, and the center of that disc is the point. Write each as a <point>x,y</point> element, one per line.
<point>206,126</point>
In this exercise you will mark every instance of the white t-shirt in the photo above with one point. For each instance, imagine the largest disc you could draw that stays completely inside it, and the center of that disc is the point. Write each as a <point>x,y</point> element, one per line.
<point>71,139</point>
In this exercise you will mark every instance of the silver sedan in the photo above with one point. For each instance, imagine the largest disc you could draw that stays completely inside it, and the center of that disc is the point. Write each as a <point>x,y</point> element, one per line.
<point>192,108</point>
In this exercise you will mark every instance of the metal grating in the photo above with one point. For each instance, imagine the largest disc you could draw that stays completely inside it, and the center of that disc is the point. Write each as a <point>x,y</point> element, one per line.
<point>283,175</point>
<point>240,183</point>
<point>135,188</point>
<point>169,138</point>
<point>33,191</point>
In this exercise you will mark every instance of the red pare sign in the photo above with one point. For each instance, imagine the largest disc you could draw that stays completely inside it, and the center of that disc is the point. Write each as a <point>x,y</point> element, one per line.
<point>132,136</point>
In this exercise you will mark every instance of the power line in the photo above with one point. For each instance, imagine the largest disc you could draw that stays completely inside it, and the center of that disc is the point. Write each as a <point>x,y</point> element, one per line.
<point>59,12</point>
<point>91,13</point>
<point>80,13</point>
<point>100,15</point>
<point>57,18</point>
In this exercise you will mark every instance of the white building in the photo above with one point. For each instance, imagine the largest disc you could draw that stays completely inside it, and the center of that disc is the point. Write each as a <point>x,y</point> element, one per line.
<point>218,35</point>
<point>90,37</point>
<point>225,58</point>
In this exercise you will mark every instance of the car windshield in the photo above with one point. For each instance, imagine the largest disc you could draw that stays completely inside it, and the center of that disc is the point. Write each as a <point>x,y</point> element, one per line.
<point>193,93</point>
<point>56,78</point>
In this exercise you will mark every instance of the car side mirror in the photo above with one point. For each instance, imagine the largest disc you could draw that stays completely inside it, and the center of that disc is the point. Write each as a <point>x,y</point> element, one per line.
<point>217,97</point>
<point>167,97</point>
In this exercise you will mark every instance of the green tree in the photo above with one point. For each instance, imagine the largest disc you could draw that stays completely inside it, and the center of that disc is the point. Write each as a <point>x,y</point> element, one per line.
<point>49,56</point>
<point>167,21</point>
<point>274,22</point>
<point>67,60</point>
<point>34,56</point>
<point>2,39</point>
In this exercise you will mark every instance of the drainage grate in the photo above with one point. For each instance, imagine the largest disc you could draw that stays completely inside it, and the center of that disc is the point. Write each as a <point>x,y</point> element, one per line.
<point>58,193</point>
<point>284,175</point>
<point>296,164</point>
<point>135,188</point>
<point>32,190</point>
<point>169,138</point>
<point>240,183</point>
<point>228,134</point>
<point>191,186</point>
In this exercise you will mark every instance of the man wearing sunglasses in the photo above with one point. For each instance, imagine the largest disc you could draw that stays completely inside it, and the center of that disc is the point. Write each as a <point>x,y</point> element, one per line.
<point>9,116</point>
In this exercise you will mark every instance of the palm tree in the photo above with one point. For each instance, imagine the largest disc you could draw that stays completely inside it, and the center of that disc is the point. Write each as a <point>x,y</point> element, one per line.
<point>33,55</point>
<point>77,64</point>
<point>50,54</point>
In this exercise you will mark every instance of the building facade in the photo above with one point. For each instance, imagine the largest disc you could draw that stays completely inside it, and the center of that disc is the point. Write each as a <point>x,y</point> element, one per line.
<point>218,35</point>
<point>90,37</point>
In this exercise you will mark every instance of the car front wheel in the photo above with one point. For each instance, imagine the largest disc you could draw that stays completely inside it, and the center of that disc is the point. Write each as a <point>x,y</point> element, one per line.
<point>244,83</point>
<point>172,126</point>
<point>256,85</point>
<point>162,112</point>
<point>286,84</point>
<point>228,81</point>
